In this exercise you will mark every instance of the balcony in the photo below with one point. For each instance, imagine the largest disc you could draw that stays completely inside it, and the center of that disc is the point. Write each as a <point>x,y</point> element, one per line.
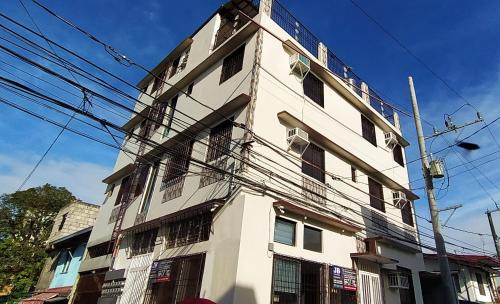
<point>232,20</point>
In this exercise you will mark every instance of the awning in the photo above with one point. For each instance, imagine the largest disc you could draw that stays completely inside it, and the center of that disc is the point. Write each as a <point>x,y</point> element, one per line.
<point>372,257</point>
<point>124,171</point>
<point>40,298</point>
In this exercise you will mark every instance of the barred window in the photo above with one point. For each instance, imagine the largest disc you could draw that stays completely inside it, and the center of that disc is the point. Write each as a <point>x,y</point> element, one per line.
<point>368,130</point>
<point>407,214</point>
<point>232,64</point>
<point>142,176</point>
<point>175,65</point>
<point>177,164</point>
<point>143,242</point>
<point>173,105</point>
<point>314,89</point>
<point>313,162</point>
<point>376,195</point>
<point>219,143</point>
<point>397,153</point>
<point>158,81</point>
<point>157,115</point>
<point>124,188</point>
<point>191,230</point>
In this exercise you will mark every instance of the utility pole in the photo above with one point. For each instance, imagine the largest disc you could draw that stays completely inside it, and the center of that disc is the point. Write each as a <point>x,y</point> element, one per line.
<point>493,232</point>
<point>449,289</point>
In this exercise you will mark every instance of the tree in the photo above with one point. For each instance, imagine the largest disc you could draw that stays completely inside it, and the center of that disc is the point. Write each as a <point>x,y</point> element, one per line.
<point>26,219</point>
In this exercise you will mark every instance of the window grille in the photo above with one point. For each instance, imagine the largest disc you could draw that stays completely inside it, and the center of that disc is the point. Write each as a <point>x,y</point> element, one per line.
<point>232,64</point>
<point>158,81</point>
<point>314,89</point>
<point>376,195</point>
<point>175,65</point>
<point>191,230</point>
<point>143,242</point>
<point>157,115</point>
<point>100,250</point>
<point>368,130</point>
<point>176,168</point>
<point>313,162</point>
<point>124,188</point>
<point>141,183</point>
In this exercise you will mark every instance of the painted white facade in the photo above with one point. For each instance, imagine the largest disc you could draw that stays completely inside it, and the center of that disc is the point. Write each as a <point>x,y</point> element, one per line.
<point>267,98</point>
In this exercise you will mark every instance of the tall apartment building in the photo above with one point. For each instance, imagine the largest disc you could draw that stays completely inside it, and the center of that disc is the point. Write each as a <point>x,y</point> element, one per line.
<point>267,172</point>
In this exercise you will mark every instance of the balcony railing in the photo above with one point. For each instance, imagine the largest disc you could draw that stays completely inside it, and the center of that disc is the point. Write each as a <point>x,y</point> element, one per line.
<point>233,20</point>
<point>314,191</point>
<point>294,28</point>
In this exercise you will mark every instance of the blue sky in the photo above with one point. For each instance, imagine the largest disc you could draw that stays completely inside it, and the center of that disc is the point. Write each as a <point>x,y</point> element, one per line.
<point>458,41</point>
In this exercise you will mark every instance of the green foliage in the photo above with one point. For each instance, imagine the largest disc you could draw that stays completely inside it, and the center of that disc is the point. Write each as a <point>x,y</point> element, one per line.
<point>26,219</point>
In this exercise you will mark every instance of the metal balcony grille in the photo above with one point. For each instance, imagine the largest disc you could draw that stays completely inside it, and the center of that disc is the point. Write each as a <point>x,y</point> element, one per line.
<point>314,191</point>
<point>189,231</point>
<point>143,242</point>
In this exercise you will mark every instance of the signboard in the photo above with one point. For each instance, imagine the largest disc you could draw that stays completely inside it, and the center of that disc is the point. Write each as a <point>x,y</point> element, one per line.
<point>350,282</point>
<point>337,277</point>
<point>343,278</point>
<point>160,271</point>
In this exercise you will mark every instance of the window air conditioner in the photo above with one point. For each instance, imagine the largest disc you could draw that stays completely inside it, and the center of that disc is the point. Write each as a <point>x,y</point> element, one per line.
<point>398,280</point>
<point>297,140</point>
<point>390,140</point>
<point>300,64</point>
<point>399,199</point>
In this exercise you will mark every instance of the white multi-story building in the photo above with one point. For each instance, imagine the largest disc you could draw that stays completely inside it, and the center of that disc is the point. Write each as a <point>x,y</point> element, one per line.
<point>271,174</point>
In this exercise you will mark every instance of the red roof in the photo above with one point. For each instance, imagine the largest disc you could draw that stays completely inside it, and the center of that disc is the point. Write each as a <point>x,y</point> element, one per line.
<point>39,298</point>
<point>480,260</point>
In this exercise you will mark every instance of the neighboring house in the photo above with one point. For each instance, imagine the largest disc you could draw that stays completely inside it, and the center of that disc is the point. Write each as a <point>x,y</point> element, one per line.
<point>65,247</point>
<point>473,278</point>
<point>273,177</point>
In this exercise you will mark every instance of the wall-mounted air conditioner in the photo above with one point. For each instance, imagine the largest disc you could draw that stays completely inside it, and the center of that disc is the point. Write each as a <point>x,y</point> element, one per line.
<point>300,65</point>
<point>399,199</point>
<point>297,140</point>
<point>390,140</point>
<point>398,280</point>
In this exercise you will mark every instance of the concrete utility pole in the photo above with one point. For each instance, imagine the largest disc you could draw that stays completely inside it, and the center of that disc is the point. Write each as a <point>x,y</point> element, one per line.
<point>449,289</point>
<point>493,232</point>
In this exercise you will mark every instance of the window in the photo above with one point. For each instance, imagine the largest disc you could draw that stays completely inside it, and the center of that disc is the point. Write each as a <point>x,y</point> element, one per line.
<point>143,242</point>
<point>376,195</point>
<point>312,239</point>
<point>219,143</point>
<point>63,220</point>
<point>157,115</point>
<point>232,64</point>
<point>124,188</point>
<point>296,281</point>
<point>150,189</point>
<point>354,176</point>
<point>158,81</point>
<point>67,257</point>
<point>368,130</point>
<point>456,282</point>
<point>313,162</point>
<point>142,175</point>
<point>172,106</point>
<point>313,88</point>
<point>178,163</point>
<point>175,65</point>
<point>284,231</point>
<point>190,88</point>
<point>480,285</point>
<point>406,295</point>
<point>406,214</point>
<point>397,153</point>
<point>184,280</point>
<point>190,230</point>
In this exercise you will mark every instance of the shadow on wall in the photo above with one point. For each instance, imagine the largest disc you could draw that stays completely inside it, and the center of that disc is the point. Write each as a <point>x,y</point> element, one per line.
<point>238,294</point>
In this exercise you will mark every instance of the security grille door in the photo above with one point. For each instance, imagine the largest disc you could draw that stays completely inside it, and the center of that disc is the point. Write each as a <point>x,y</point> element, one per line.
<point>370,289</point>
<point>136,283</point>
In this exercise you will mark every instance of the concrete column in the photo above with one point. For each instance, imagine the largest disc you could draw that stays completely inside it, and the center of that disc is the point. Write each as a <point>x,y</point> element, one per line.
<point>265,7</point>
<point>365,92</point>
<point>397,122</point>
<point>322,54</point>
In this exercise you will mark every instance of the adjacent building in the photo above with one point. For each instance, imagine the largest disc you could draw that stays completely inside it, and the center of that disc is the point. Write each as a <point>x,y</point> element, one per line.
<point>473,278</point>
<point>65,248</point>
<point>259,169</point>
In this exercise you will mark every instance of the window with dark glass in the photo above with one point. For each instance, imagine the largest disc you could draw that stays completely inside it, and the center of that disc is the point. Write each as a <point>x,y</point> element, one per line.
<point>219,143</point>
<point>376,195</point>
<point>407,214</point>
<point>284,231</point>
<point>143,242</point>
<point>397,153</point>
<point>124,188</point>
<point>178,164</point>
<point>158,81</point>
<point>190,230</point>
<point>368,130</point>
<point>480,284</point>
<point>312,239</point>
<point>406,295</point>
<point>183,283</point>
<point>313,162</point>
<point>232,64</point>
<point>354,173</point>
<point>190,88</point>
<point>142,178</point>
<point>63,221</point>
<point>314,89</point>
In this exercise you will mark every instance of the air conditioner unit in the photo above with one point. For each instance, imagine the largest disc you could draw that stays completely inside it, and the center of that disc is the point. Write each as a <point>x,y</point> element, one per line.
<point>398,280</point>
<point>300,65</point>
<point>390,140</point>
<point>297,140</point>
<point>399,199</point>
